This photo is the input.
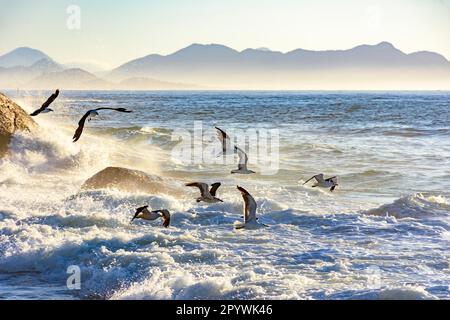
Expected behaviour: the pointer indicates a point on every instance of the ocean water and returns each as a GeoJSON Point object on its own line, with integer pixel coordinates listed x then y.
{"type": "Point", "coordinates": [383, 234]}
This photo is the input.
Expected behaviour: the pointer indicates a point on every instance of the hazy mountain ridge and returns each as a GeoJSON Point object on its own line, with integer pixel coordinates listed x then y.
{"type": "Point", "coordinates": [224, 67]}
{"type": "Point", "coordinates": [364, 55]}
{"type": "Point", "coordinates": [28, 68]}
{"type": "Point", "coordinates": [74, 78]}
{"type": "Point", "coordinates": [218, 66]}
{"type": "Point", "coordinates": [23, 56]}
{"type": "Point", "coordinates": [17, 76]}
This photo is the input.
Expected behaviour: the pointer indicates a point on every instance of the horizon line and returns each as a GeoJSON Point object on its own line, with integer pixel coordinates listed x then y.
{"type": "Point", "coordinates": [240, 90]}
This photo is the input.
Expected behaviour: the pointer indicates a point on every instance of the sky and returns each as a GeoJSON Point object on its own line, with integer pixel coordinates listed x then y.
{"type": "Point", "coordinates": [112, 32]}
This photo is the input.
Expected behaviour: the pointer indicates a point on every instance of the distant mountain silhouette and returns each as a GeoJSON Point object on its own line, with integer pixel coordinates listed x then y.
{"type": "Point", "coordinates": [28, 68]}
{"type": "Point", "coordinates": [82, 80]}
{"type": "Point", "coordinates": [68, 79]}
{"type": "Point", "coordinates": [221, 66]}
{"type": "Point", "coordinates": [16, 77]}
{"type": "Point", "coordinates": [215, 66]}
{"type": "Point", "coordinates": [23, 57]}
{"type": "Point", "coordinates": [90, 67]}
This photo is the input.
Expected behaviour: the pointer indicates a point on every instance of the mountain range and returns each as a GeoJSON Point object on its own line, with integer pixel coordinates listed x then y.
{"type": "Point", "coordinates": [213, 66]}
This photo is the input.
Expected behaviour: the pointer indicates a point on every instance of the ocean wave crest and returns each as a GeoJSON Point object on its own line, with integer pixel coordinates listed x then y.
{"type": "Point", "coordinates": [415, 206]}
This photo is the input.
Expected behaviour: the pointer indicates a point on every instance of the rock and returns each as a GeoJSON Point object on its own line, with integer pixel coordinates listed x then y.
{"type": "Point", "coordinates": [12, 119]}
{"type": "Point", "coordinates": [131, 181]}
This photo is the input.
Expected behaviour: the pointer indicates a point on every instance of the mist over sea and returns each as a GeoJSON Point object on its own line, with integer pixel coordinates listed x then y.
{"type": "Point", "coordinates": [383, 234]}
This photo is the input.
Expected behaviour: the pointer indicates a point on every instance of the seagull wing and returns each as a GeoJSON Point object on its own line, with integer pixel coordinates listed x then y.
{"type": "Point", "coordinates": [202, 186]}
{"type": "Point", "coordinates": [165, 214]}
{"type": "Point", "coordinates": [224, 139]}
{"type": "Point", "coordinates": [36, 112]}
{"type": "Point", "coordinates": [50, 99]}
{"type": "Point", "coordinates": [250, 205]}
{"type": "Point", "coordinates": [315, 177]}
{"type": "Point", "coordinates": [332, 179]}
{"type": "Point", "coordinates": [46, 104]}
{"type": "Point", "coordinates": [115, 109]}
{"type": "Point", "coordinates": [138, 211]}
{"type": "Point", "coordinates": [80, 128]}
{"type": "Point", "coordinates": [214, 188]}
{"type": "Point", "coordinates": [243, 158]}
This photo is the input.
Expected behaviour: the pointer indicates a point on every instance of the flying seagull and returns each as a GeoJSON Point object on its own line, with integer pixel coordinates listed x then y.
{"type": "Point", "coordinates": [45, 107]}
{"type": "Point", "coordinates": [206, 195]}
{"type": "Point", "coordinates": [250, 219]}
{"type": "Point", "coordinates": [224, 139]}
{"type": "Point", "coordinates": [243, 160]}
{"type": "Point", "coordinates": [145, 214]}
{"type": "Point", "coordinates": [331, 183]}
{"type": "Point", "coordinates": [88, 116]}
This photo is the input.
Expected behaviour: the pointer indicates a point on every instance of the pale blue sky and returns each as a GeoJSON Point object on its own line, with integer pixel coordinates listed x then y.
{"type": "Point", "coordinates": [113, 31]}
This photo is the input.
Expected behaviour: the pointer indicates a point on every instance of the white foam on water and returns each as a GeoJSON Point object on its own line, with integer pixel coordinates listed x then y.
{"type": "Point", "coordinates": [416, 206]}
{"type": "Point", "coordinates": [318, 244]}
{"type": "Point", "coordinates": [402, 293]}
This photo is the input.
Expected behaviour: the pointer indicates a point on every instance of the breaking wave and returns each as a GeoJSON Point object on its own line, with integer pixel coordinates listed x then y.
{"type": "Point", "coordinates": [414, 206]}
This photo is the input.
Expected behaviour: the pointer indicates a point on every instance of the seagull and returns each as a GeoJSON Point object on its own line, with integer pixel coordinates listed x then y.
{"type": "Point", "coordinates": [324, 183]}
{"type": "Point", "coordinates": [243, 160]}
{"type": "Point", "coordinates": [88, 116]}
{"type": "Point", "coordinates": [145, 214]}
{"type": "Point", "coordinates": [45, 107]}
{"type": "Point", "coordinates": [250, 219]}
{"type": "Point", "coordinates": [207, 195]}
{"type": "Point", "coordinates": [224, 139]}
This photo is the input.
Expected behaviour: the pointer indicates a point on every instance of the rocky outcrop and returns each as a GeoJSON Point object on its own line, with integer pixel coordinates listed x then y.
{"type": "Point", "coordinates": [131, 181]}
{"type": "Point", "coordinates": [12, 119]}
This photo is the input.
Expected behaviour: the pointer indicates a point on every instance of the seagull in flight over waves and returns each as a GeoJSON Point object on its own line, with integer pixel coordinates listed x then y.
{"type": "Point", "coordinates": [331, 183]}
{"type": "Point", "coordinates": [243, 160]}
{"type": "Point", "coordinates": [206, 195]}
{"type": "Point", "coordinates": [145, 214]}
{"type": "Point", "coordinates": [45, 106]}
{"type": "Point", "coordinates": [250, 219]}
{"type": "Point", "coordinates": [88, 116]}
